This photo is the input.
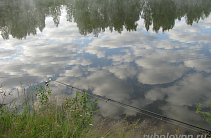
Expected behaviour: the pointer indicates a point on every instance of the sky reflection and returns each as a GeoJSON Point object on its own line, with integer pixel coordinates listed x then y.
{"type": "Point", "coordinates": [138, 68]}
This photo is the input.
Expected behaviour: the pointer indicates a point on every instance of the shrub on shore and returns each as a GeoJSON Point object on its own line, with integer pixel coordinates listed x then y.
{"type": "Point", "coordinates": [38, 116]}
{"type": "Point", "coordinates": [45, 119]}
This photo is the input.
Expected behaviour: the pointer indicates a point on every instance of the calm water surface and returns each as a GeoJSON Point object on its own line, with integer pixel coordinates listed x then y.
{"type": "Point", "coordinates": [152, 54]}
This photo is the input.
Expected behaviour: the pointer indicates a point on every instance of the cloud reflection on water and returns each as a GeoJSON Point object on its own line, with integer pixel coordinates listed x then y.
{"type": "Point", "coordinates": [162, 64]}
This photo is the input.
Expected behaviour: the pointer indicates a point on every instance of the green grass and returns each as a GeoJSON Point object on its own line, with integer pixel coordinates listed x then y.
{"type": "Point", "coordinates": [38, 116]}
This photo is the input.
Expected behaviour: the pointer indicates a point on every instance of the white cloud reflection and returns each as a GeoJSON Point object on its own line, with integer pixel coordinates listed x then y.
{"type": "Point", "coordinates": [105, 84]}
{"type": "Point", "coordinates": [139, 55]}
{"type": "Point", "coordinates": [181, 31]}
{"type": "Point", "coordinates": [122, 71]}
{"type": "Point", "coordinates": [38, 57]}
{"type": "Point", "coordinates": [192, 89]}
{"type": "Point", "coordinates": [199, 64]}
{"type": "Point", "coordinates": [95, 50]}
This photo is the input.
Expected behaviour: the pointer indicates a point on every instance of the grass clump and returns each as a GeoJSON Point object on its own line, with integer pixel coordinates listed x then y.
{"type": "Point", "coordinates": [124, 129]}
{"type": "Point", "coordinates": [37, 116]}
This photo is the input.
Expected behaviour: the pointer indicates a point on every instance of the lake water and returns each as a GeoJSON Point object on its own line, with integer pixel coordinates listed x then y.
{"type": "Point", "coordinates": [151, 54]}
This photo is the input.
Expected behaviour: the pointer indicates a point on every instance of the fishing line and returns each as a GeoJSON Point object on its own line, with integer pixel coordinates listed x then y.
{"type": "Point", "coordinates": [118, 104]}
{"type": "Point", "coordinates": [161, 119]}
{"type": "Point", "coordinates": [136, 108]}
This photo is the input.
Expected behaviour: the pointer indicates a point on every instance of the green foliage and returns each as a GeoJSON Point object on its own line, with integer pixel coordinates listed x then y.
{"type": "Point", "coordinates": [73, 119]}
{"type": "Point", "coordinates": [23, 19]}
{"type": "Point", "coordinates": [206, 115]}
{"type": "Point", "coordinates": [42, 93]}
{"type": "Point", "coordinates": [79, 112]}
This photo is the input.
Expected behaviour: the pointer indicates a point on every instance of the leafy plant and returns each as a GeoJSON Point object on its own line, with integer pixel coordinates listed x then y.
{"type": "Point", "coordinates": [79, 112]}
{"type": "Point", "coordinates": [73, 119]}
{"type": "Point", "coordinates": [206, 115]}
{"type": "Point", "coordinates": [42, 93]}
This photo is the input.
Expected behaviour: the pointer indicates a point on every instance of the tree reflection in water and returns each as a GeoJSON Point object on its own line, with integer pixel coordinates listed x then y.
{"type": "Point", "coordinates": [21, 18]}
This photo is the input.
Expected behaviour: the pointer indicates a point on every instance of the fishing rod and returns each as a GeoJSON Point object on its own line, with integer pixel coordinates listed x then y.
{"type": "Point", "coordinates": [143, 111]}
{"type": "Point", "coordinates": [127, 105]}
